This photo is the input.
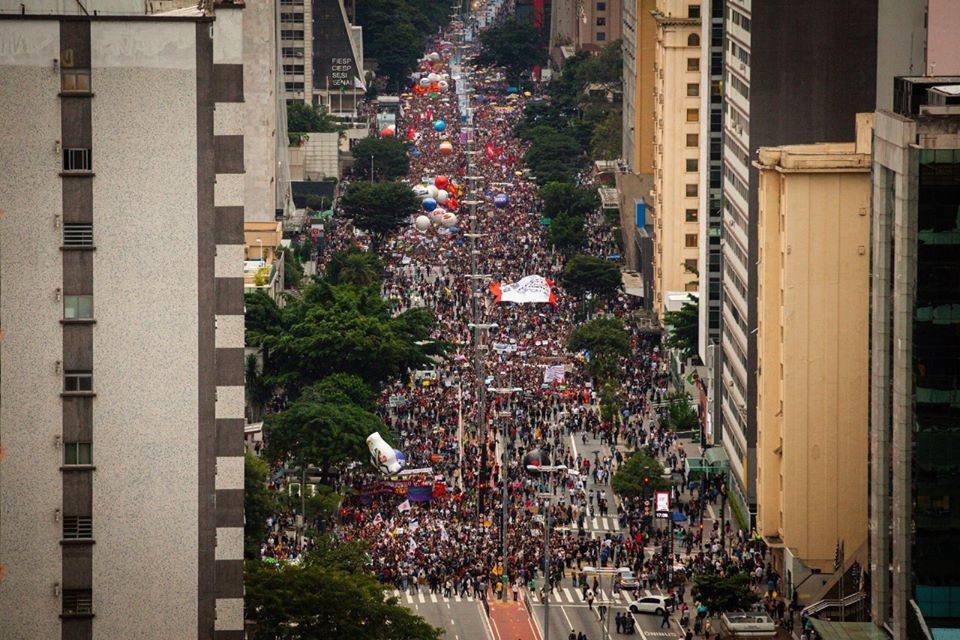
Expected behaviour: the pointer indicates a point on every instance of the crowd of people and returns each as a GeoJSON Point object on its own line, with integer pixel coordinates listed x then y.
{"type": "Point", "coordinates": [452, 542]}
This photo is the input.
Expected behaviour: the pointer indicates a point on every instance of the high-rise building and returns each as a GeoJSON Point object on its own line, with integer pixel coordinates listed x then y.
{"type": "Point", "coordinates": [122, 397]}
{"type": "Point", "coordinates": [639, 53]}
{"type": "Point", "coordinates": [813, 285]}
{"type": "Point", "coordinates": [915, 360]}
{"type": "Point", "coordinates": [677, 114]}
{"type": "Point", "coordinates": [782, 85]}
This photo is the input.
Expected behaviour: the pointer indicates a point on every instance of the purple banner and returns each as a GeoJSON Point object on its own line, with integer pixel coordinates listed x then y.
{"type": "Point", "coordinates": [420, 493]}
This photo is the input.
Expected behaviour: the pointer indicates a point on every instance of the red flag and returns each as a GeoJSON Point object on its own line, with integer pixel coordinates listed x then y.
{"type": "Point", "coordinates": [411, 132]}
{"type": "Point", "coordinates": [490, 152]}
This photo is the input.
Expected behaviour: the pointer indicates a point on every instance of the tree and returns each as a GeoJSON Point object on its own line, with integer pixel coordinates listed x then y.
{"type": "Point", "coordinates": [566, 232]}
{"type": "Point", "coordinates": [639, 476]}
{"type": "Point", "coordinates": [292, 269]}
{"type": "Point", "coordinates": [565, 196]}
{"type": "Point", "coordinates": [607, 139]}
{"type": "Point", "coordinates": [606, 340]}
{"type": "Point", "coordinates": [513, 45]}
{"type": "Point", "coordinates": [305, 118]}
{"type": "Point", "coordinates": [330, 596]}
{"type": "Point", "coordinates": [325, 426]}
{"type": "Point", "coordinates": [379, 208]}
{"type": "Point", "coordinates": [683, 328]}
{"type": "Point", "coordinates": [680, 415]}
{"type": "Point", "coordinates": [389, 158]}
{"type": "Point", "coordinates": [258, 504]}
{"type": "Point", "coordinates": [355, 266]}
{"type": "Point", "coordinates": [258, 389]}
{"type": "Point", "coordinates": [583, 274]}
{"type": "Point", "coordinates": [397, 52]}
{"type": "Point", "coordinates": [724, 593]}
{"type": "Point", "coordinates": [554, 157]}
{"type": "Point", "coordinates": [262, 317]}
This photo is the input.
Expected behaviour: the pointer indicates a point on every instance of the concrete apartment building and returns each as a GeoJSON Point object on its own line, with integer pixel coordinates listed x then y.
{"type": "Point", "coordinates": [676, 111]}
{"type": "Point", "coordinates": [639, 54]}
{"type": "Point", "coordinates": [772, 69]}
{"type": "Point", "coordinates": [813, 288]}
{"type": "Point", "coordinates": [121, 392]}
{"type": "Point", "coordinates": [915, 355]}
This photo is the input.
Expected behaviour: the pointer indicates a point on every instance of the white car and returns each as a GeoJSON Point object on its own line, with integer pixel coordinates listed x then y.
{"type": "Point", "coordinates": [649, 604]}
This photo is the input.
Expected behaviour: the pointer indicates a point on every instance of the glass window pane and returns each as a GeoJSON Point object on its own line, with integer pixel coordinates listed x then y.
{"type": "Point", "coordinates": [85, 453]}
{"type": "Point", "coordinates": [70, 454]}
{"type": "Point", "coordinates": [69, 307]}
{"type": "Point", "coordinates": [85, 307]}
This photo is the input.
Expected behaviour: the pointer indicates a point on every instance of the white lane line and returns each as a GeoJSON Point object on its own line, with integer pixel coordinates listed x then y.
{"type": "Point", "coordinates": [569, 624]}
{"type": "Point", "coordinates": [409, 599]}
{"type": "Point", "coordinates": [636, 625]}
{"type": "Point", "coordinates": [573, 442]}
{"type": "Point", "coordinates": [567, 593]}
{"type": "Point", "coordinates": [489, 625]}
{"type": "Point", "coordinates": [420, 596]}
{"type": "Point", "coordinates": [456, 597]}
{"type": "Point", "coordinates": [433, 597]}
{"type": "Point", "coordinates": [647, 592]}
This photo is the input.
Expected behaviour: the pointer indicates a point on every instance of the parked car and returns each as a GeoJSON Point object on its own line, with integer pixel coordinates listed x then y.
{"type": "Point", "coordinates": [626, 579]}
{"type": "Point", "coordinates": [649, 604]}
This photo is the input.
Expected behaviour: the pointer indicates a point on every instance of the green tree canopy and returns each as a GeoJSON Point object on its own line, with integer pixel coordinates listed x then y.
{"type": "Point", "coordinates": [330, 596]}
{"type": "Point", "coordinates": [680, 415]}
{"type": "Point", "coordinates": [565, 196]}
{"type": "Point", "coordinates": [606, 141]}
{"type": "Point", "coordinates": [728, 593]}
{"type": "Point", "coordinates": [324, 426]}
{"type": "Point", "coordinates": [258, 504]}
{"type": "Point", "coordinates": [566, 232]}
{"type": "Point", "coordinates": [398, 49]}
{"type": "Point", "coordinates": [584, 274]}
{"type": "Point", "coordinates": [554, 157]}
{"type": "Point", "coordinates": [379, 208]}
{"type": "Point", "coordinates": [683, 328]}
{"type": "Point", "coordinates": [389, 156]}
{"type": "Point", "coordinates": [606, 340]}
{"type": "Point", "coordinates": [262, 317]}
{"type": "Point", "coordinates": [639, 476]}
{"type": "Point", "coordinates": [305, 118]}
{"type": "Point", "coordinates": [332, 329]}
{"type": "Point", "coordinates": [355, 266]}
{"type": "Point", "coordinates": [292, 269]}
{"type": "Point", "coordinates": [513, 45]}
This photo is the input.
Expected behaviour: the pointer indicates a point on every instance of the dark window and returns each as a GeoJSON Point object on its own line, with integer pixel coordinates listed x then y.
{"type": "Point", "coordinates": [693, 11]}
{"type": "Point", "coordinates": [293, 86]}
{"type": "Point", "coordinates": [77, 307]}
{"type": "Point", "coordinates": [77, 160]}
{"type": "Point", "coordinates": [690, 265]}
{"type": "Point", "coordinates": [291, 17]}
{"type": "Point", "coordinates": [693, 115]}
{"type": "Point", "coordinates": [78, 453]}
{"type": "Point", "coordinates": [77, 602]}
{"type": "Point", "coordinates": [292, 52]}
{"type": "Point", "coordinates": [692, 215]}
{"type": "Point", "coordinates": [291, 34]}
{"type": "Point", "coordinates": [601, 36]}
{"type": "Point", "coordinates": [77, 527]}
{"type": "Point", "coordinates": [78, 234]}
{"type": "Point", "coordinates": [693, 40]}
{"type": "Point", "coordinates": [690, 240]}
{"type": "Point", "coordinates": [693, 64]}
{"type": "Point", "coordinates": [295, 69]}
{"type": "Point", "coordinates": [601, 22]}
{"type": "Point", "coordinates": [692, 190]}
{"type": "Point", "coordinates": [693, 139]}
{"type": "Point", "coordinates": [692, 165]}
{"type": "Point", "coordinates": [78, 381]}
{"type": "Point", "coordinates": [693, 89]}
{"type": "Point", "coordinates": [601, 6]}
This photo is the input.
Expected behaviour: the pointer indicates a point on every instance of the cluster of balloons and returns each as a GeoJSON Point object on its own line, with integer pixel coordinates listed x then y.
{"type": "Point", "coordinates": [432, 83]}
{"type": "Point", "coordinates": [441, 192]}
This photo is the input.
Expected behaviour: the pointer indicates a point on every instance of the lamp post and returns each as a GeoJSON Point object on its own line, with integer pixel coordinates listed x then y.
{"type": "Point", "coordinates": [534, 462]}
{"type": "Point", "coordinates": [607, 604]}
{"type": "Point", "coordinates": [507, 445]}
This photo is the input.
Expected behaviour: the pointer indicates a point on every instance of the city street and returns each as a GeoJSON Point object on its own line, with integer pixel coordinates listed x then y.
{"type": "Point", "coordinates": [461, 618]}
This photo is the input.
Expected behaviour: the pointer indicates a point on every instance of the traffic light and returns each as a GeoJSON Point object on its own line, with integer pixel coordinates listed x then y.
{"type": "Point", "coordinates": [646, 479]}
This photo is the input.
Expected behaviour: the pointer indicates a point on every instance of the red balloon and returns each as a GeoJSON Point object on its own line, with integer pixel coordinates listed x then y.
{"type": "Point", "coordinates": [441, 182]}
{"type": "Point", "coordinates": [452, 203]}
{"type": "Point", "coordinates": [387, 132]}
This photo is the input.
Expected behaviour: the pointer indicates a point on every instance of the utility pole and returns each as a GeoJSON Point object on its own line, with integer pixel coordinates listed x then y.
{"type": "Point", "coordinates": [504, 477]}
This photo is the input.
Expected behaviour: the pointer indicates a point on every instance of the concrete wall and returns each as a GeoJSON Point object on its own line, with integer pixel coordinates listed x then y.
{"type": "Point", "coordinates": [30, 411]}
{"type": "Point", "coordinates": [902, 34]}
{"type": "Point", "coordinates": [813, 282]}
{"type": "Point", "coordinates": [943, 46]}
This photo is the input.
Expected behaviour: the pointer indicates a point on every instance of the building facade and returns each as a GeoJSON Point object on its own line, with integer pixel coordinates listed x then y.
{"type": "Point", "coordinates": [121, 396]}
{"type": "Point", "coordinates": [813, 284]}
{"type": "Point", "coordinates": [772, 69]}
{"type": "Point", "coordinates": [639, 55]}
{"type": "Point", "coordinates": [677, 115]}
{"type": "Point", "coordinates": [915, 355]}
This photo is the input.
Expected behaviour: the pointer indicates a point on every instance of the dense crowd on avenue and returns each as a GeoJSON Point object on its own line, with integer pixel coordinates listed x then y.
{"type": "Point", "coordinates": [442, 540]}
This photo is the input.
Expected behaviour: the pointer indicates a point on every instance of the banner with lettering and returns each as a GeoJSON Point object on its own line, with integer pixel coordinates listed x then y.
{"type": "Point", "coordinates": [531, 289]}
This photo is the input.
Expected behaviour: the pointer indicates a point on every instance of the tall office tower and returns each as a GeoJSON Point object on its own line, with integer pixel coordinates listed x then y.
{"type": "Point", "coordinates": [711, 172]}
{"type": "Point", "coordinates": [122, 399]}
{"type": "Point", "coordinates": [677, 115]}
{"type": "Point", "coordinates": [783, 84]}
{"type": "Point", "coordinates": [915, 360]}
{"type": "Point", "coordinates": [639, 52]}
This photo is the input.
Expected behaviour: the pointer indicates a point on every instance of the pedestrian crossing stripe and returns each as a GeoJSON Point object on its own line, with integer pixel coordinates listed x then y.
{"type": "Point", "coordinates": [421, 597]}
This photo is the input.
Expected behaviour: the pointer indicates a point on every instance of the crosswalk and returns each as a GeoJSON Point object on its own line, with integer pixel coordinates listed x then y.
{"type": "Point", "coordinates": [569, 595]}
{"type": "Point", "coordinates": [602, 523]}
{"type": "Point", "coordinates": [424, 596]}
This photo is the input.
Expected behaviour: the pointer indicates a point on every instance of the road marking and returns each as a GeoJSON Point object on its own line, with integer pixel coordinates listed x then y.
{"type": "Point", "coordinates": [636, 625]}
{"type": "Point", "coordinates": [433, 597]}
{"type": "Point", "coordinates": [420, 596]}
{"type": "Point", "coordinates": [569, 624]}
{"type": "Point", "coordinates": [453, 622]}
{"type": "Point", "coordinates": [456, 597]}
{"type": "Point", "coordinates": [713, 515]}
{"type": "Point", "coordinates": [573, 441]}
{"type": "Point", "coordinates": [647, 592]}
{"type": "Point", "coordinates": [567, 593]}
{"type": "Point", "coordinates": [489, 624]}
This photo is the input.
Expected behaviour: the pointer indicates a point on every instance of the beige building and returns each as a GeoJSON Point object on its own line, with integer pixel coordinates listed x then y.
{"type": "Point", "coordinates": [813, 370]}
{"type": "Point", "coordinates": [676, 149]}
{"type": "Point", "coordinates": [639, 52]}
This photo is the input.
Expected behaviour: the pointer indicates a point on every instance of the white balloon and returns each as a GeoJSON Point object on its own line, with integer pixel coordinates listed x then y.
{"type": "Point", "coordinates": [421, 191]}
{"type": "Point", "coordinates": [382, 455]}
{"type": "Point", "coordinates": [424, 82]}
{"type": "Point", "coordinates": [448, 220]}
{"type": "Point", "coordinates": [434, 56]}
{"type": "Point", "coordinates": [433, 77]}
{"type": "Point", "coordinates": [422, 223]}
{"type": "Point", "coordinates": [433, 191]}
{"type": "Point", "coordinates": [436, 216]}
{"type": "Point", "coordinates": [442, 196]}
{"type": "Point", "coordinates": [443, 85]}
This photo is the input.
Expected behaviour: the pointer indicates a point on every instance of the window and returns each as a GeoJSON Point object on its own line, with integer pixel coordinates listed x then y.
{"type": "Point", "coordinates": [77, 160]}
{"type": "Point", "coordinates": [693, 11]}
{"type": "Point", "coordinates": [693, 40]}
{"type": "Point", "coordinates": [693, 115]}
{"type": "Point", "coordinates": [693, 89]}
{"type": "Point", "coordinates": [693, 165]}
{"type": "Point", "coordinates": [291, 34]}
{"type": "Point", "coordinates": [291, 17]}
{"type": "Point", "coordinates": [693, 139]}
{"type": "Point", "coordinates": [78, 453]}
{"type": "Point", "coordinates": [601, 6]}
{"type": "Point", "coordinates": [75, 80]}
{"type": "Point", "coordinates": [693, 64]}
{"type": "Point", "coordinates": [292, 52]}
{"type": "Point", "coordinates": [77, 307]}
{"type": "Point", "coordinates": [690, 266]}
{"type": "Point", "coordinates": [77, 602]}
{"type": "Point", "coordinates": [692, 215]}
{"type": "Point", "coordinates": [77, 527]}
{"type": "Point", "coordinates": [601, 36]}
{"type": "Point", "coordinates": [78, 234]}
{"type": "Point", "coordinates": [601, 22]}
{"type": "Point", "coordinates": [692, 190]}
{"type": "Point", "coordinates": [295, 69]}
{"type": "Point", "coordinates": [690, 240]}
{"type": "Point", "coordinates": [78, 381]}
{"type": "Point", "coordinates": [293, 86]}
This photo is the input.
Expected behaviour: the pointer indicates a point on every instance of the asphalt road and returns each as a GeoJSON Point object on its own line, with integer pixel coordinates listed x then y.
{"type": "Point", "coordinates": [460, 618]}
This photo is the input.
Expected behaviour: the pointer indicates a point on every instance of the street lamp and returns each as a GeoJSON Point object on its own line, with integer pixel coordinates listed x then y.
{"type": "Point", "coordinates": [537, 463]}
{"type": "Point", "coordinates": [607, 604]}
{"type": "Point", "coordinates": [508, 391]}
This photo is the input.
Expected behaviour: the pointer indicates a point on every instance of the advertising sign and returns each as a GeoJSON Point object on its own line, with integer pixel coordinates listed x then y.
{"type": "Point", "coordinates": [661, 500]}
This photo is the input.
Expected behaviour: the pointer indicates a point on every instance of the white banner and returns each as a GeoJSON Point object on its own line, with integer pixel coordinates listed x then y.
{"type": "Point", "coordinates": [554, 373]}
{"type": "Point", "coordinates": [528, 289]}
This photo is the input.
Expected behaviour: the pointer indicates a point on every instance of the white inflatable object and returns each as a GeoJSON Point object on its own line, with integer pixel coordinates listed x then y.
{"type": "Point", "coordinates": [382, 455]}
{"type": "Point", "coordinates": [442, 196]}
{"type": "Point", "coordinates": [433, 191]}
{"type": "Point", "coordinates": [448, 220]}
{"type": "Point", "coordinates": [422, 223]}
